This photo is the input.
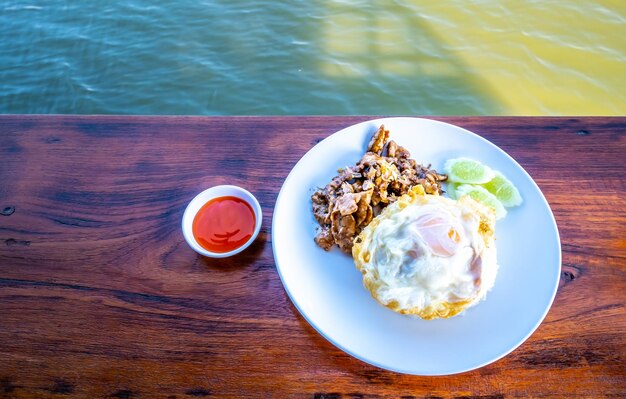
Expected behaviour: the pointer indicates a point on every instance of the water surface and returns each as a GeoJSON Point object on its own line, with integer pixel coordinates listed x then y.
{"type": "Point", "coordinates": [313, 57]}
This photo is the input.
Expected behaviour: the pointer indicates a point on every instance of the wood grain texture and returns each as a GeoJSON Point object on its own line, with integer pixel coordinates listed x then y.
{"type": "Point", "coordinates": [100, 297]}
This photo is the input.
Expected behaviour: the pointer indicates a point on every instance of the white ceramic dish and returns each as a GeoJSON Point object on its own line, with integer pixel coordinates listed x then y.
{"type": "Point", "coordinates": [327, 289]}
{"type": "Point", "coordinates": [204, 197]}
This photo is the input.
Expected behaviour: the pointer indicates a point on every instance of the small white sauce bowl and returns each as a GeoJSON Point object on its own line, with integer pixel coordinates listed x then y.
{"type": "Point", "coordinates": [204, 197]}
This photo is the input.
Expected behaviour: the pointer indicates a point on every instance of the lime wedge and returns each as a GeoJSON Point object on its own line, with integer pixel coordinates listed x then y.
{"type": "Point", "coordinates": [465, 170]}
{"type": "Point", "coordinates": [450, 189]}
{"type": "Point", "coordinates": [483, 196]}
{"type": "Point", "coordinates": [504, 190]}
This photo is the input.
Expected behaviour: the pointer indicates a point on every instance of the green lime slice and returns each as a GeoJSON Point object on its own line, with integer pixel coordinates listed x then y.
{"type": "Point", "coordinates": [450, 189]}
{"type": "Point", "coordinates": [483, 196]}
{"type": "Point", "coordinates": [504, 190]}
{"type": "Point", "coordinates": [465, 170]}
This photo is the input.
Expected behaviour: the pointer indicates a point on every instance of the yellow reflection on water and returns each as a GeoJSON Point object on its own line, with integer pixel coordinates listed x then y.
{"type": "Point", "coordinates": [514, 57]}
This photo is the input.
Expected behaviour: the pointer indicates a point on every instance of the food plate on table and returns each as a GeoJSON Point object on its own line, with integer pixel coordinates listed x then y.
{"type": "Point", "coordinates": [328, 290]}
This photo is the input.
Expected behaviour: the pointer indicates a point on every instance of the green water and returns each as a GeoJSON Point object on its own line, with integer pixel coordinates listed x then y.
{"type": "Point", "coordinates": [313, 57]}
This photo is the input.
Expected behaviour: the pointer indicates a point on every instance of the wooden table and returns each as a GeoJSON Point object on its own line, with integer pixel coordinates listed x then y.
{"type": "Point", "coordinates": [100, 297]}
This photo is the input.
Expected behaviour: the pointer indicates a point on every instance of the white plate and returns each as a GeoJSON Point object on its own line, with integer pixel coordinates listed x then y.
{"type": "Point", "coordinates": [328, 291]}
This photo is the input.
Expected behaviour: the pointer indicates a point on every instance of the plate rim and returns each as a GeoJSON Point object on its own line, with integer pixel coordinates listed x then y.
{"type": "Point", "coordinates": [524, 338]}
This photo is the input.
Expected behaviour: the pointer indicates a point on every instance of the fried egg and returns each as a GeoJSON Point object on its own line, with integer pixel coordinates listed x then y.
{"type": "Point", "coordinates": [428, 255]}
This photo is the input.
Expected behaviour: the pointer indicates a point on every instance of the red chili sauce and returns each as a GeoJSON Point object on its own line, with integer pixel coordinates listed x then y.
{"type": "Point", "coordinates": [224, 224]}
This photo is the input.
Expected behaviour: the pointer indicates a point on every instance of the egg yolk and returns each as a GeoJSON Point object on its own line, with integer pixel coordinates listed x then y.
{"type": "Point", "coordinates": [441, 235]}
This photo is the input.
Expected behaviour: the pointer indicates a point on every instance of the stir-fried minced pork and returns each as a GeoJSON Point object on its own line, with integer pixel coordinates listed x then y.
{"type": "Point", "coordinates": [359, 193]}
